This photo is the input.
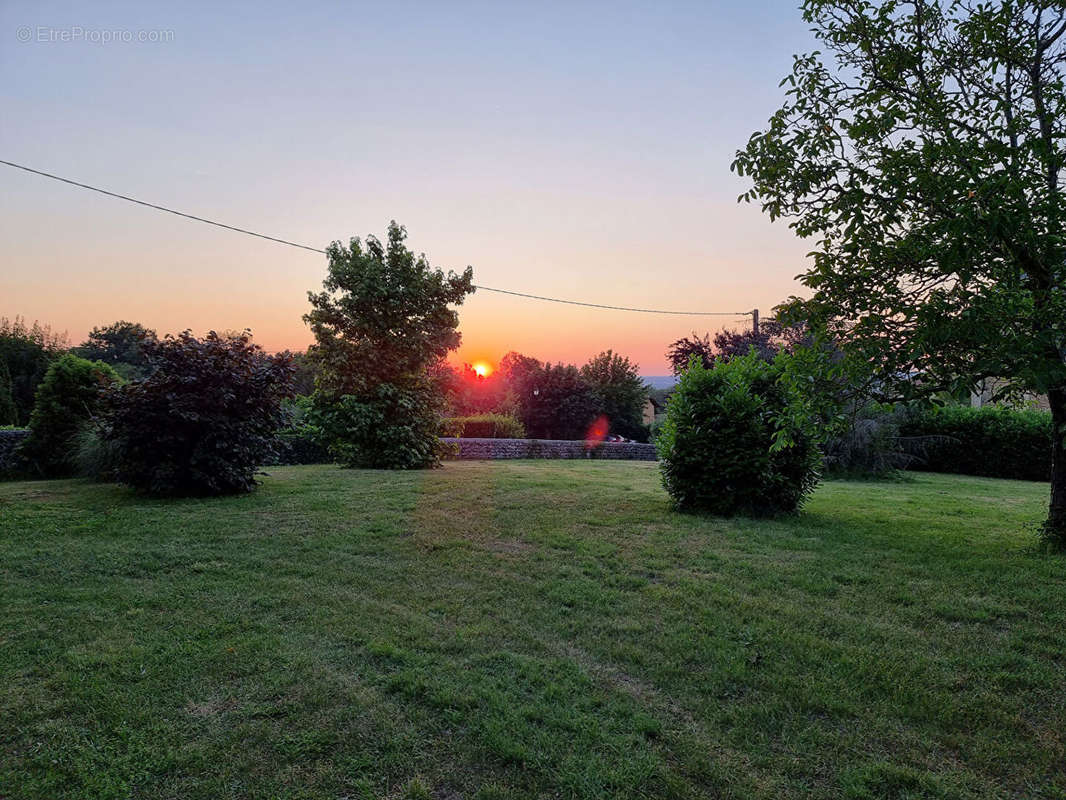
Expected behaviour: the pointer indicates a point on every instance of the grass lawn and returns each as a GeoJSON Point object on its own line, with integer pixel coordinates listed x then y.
{"type": "Point", "coordinates": [528, 629]}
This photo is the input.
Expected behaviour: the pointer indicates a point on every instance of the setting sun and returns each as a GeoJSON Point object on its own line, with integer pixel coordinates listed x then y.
{"type": "Point", "coordinates": [481, 369]}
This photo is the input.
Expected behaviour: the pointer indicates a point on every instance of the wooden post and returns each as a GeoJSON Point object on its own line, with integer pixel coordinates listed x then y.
{"type": "Point", "coordinates": [755, 322]}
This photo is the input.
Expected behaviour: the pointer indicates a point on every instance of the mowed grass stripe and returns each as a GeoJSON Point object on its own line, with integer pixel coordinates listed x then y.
{"type": "Point", "coordinates": [528, 629]}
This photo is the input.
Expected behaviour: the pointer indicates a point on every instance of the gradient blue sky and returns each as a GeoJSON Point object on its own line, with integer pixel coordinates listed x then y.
{"type": "Point", "coordinates": [579, 150]}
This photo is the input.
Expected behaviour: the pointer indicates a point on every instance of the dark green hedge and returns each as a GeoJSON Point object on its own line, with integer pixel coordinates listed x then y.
{"type": "Point", "coordinates": [483, 426]}
{"type": "Point", "coordinates": [992, 441]}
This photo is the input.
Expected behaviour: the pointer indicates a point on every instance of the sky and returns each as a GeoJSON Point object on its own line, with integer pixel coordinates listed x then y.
{"type": "Point", "coordinates": [575, 150]}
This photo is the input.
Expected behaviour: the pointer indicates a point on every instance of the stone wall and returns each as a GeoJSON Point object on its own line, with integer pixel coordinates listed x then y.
{"type": "Point", "coordinates": [9, 441]}
{"type": "Point", "coordinates": [545, 448]}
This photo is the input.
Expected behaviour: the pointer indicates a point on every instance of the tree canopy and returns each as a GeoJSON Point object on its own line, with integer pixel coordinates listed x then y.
{"type": "Point", "coordinates": [26, 351]}
{"type": "Point", "coordinates": [120, 344]}
{"type": "Point", "coordinates": [557, 402]}
{"type": "Point", "coordinates": [772, 338]}
{"type": "Point", "coordinates": [924, 156]}
{"type": "Point", "coordinates": [383, 321]}
{"type": "Point", "coordinates": [620, 391]}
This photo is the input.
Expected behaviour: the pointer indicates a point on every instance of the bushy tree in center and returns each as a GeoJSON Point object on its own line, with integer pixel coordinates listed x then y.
{"type": "Point", "coordinates": [383, 321]}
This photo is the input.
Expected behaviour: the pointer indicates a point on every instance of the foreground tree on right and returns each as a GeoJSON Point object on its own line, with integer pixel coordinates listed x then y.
{"type": "Point", "coordinates": [924, 154]}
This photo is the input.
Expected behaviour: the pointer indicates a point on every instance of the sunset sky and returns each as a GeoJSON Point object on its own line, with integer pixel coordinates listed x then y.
{"type": "Point", "coordinates": [577, 150]}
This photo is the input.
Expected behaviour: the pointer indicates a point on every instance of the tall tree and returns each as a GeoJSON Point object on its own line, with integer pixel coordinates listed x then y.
{"type": "Point", "coordinates": [681, 352]}
{"type": "Point", "coordinates": [926, 161]}
{"type": "Point", "coordinates": [557, 401]}
{"type": "Point", "coordinates": [772, 337]}
{"type": "Point", "coordinates": [27, 351]}
{"type": "Point", "coordinates": [303, 370]}
{"type": "Point", "coordinates": [8, 412]}
{"type": "Point", "coordinates": [120, 344]}
{"type": "Point", "coordinates": [621, 393]}
{"type": "Point", "coordinates": [516, 368]}
{"type": "Point", "coordinates": [382, 323]}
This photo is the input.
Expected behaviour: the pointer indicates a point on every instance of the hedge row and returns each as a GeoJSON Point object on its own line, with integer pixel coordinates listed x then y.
{"type": "Point", "coordinates": [483, 426]}
{"type": "Point", "coordinates": [993, 442]}
{"type": "Point", "coordinates": [292, 446]}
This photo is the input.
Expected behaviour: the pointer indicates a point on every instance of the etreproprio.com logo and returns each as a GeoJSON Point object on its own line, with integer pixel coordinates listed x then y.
{"type": "Point", "coordinates": [48, 34]}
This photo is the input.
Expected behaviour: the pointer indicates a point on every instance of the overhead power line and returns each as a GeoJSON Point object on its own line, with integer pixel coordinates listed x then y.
{"type": "Point", "coordinates": [620, 308]}
{"type": "Point", "coordinates": [161, 208]}
{"type": "Point", "coordinates": [278, 240]}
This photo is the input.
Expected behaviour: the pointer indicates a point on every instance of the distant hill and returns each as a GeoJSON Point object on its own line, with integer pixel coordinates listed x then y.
{"type": "Point", "coordinates": [659, 381]}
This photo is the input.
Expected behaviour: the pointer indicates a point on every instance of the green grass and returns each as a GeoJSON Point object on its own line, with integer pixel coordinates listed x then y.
{"type": "Point", "coordinates": [528, 629]}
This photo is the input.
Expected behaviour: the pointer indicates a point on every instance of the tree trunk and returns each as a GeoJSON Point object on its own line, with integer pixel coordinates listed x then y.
{"type": "Point", "coordinates": [1055, 528]}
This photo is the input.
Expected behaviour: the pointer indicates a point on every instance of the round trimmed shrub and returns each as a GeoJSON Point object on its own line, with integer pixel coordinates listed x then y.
{"type": "Point", "coordinates": [69, 396]}
{"type": "Point", "coordinates": [730, 443]}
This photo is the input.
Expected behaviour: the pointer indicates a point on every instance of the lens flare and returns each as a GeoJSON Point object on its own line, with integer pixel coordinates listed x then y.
{"type": "Point", "coordinates": [597, 432]}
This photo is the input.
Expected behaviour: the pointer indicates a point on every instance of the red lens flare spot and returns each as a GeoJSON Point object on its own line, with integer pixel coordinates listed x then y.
{"type": "Point", "coordinates": [597, 431]}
